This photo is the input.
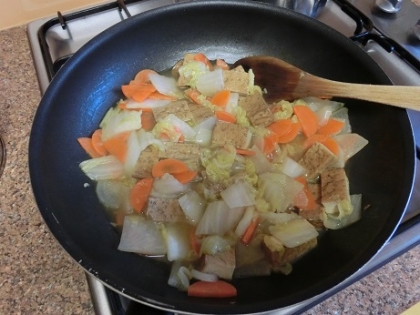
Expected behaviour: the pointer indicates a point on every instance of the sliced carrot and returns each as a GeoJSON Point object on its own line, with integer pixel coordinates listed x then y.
{"type": "Point", "coordinates": [159, 96]}
{"type": "Point", "coordinates": [294, 130]}
{"type": "Point", "coordinates": [332, 145]}
{"type": "Point", "coordinates": [281, 127]}
{"type": "Point", "coordinates": [148, 121]}
{"type": "Point", "coordinates": [203, 58]}
{"type": "Point", "coordinates": [140, 193]}
{"type": "Point", "coordinates": [122, 105]}
{"type": "Point", "coordinates": [307, 119]}
{"type": "Point", "coordinates": [128, 90]}
{"type": "Point", "coordinates": [117, 145]}
{"type": "Point", "coordinates": [245, 152]}
{"type": "Point", "coordinates": [86, 144]}
{"type": "Point", "coordinates": [249, 233]}
{"type": "Point", "coordinates": [143, 92]}
{"type": "Point", "coordinates": [270, 143]}
{"type": "Point", "coordinates": [97, 142]}
{"type": "Point", "coordinates": [332, 127]}
{"type": "Point", "coordinates": [310, 204]}
{"type": "Point", "coordinates": [222, 64]}
{"type": "Point", "coordinates": [225, 116]}
{"type": "Point", "coordinates": [185, 177]}
{"type": "Point", "coordinates": [143, 75]}
{"type": "Point", "coordinates": [170, 166]}
{"type": "Point", "coordinates": [193, 95]}
{"type": "Point", "coordinates": [314, 138]}
{"type": "Point", "coordinates": [221, 98]}
{"type": "Point", "coordinates": [217, 289]}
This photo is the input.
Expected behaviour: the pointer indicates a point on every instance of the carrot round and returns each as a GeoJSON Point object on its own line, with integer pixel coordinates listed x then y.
{"type": "Point", "coordinates": [140, 193]}
{"type": "Point", "coordinates": [86, 144]}
{"type": "Point", "coordinates": [117, 145]}
{"type": "Point", "coordinates": [217, 289]}
{"type": "Point", "coordinates": [249, 233]}
{"type": "Point", "coordinates": [170, 166]}
{"type": "Point", "coordinates": [280, 127]}
{"type": "Point", "coordinates": [203, 58]}
{"type": "Point", "coordinates": [314, 138]}
{"type": "Point", "coordinates": [307, 119]}
{"type": "Point", "coordinates": [332, 127]}
{"type": "Point", "coordinates": [185, 177]}
{"type": "Point", "coordinates": [332, 145]}
{"type": "Point", "coordinates": [225, 116]}
{"type": "Point", "coordinates": [270, 143]}
{"type": "Point", "coordinates": [245, 152]}
{"type": "Point", "coordinates": [222, 64]}
{"type": "Point", "coordinates": [97, 142]}
{"type": "Point", "coordinates": [311, 204]}
{"type": "Point", "coordinates": [143, 75]}
{"type": "Point", "coordinates": [221, 98]}
{"type": "Point", "coordinates": [159, 96]}
{"type": "Point", "coordinates": [193, 95]}
{"type": "Point", "coordinates": [294, 130]}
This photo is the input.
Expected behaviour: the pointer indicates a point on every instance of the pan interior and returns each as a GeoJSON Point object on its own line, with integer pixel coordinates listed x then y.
{"type": "Point", "coordinates": [88, 85]}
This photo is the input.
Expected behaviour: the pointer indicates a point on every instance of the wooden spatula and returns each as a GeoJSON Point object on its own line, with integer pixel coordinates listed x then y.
{"type": "Point", "coordinates": [284, 81]}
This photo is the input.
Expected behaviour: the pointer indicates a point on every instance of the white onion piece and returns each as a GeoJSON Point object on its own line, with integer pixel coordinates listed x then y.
{"type": "Point", "coordinates": [180, 276]}
{"type": "Point", "coordinates": [203, 137]}
{"type": "Point", "coordinates": [193, 206]}
{"type": "Point", "coordinates": [142, 236]}
{"type": "Point", "coordinates": [210, 82]}
{"type": "Point", "coordinates": [324, 115]}
{"type": "Point", "coordinates": [262, 165]}
{"type": "Point", "coordinates": [109, 193]}
{"type": "Point", "coordinates": [294, 233]}
{"type": "Point", "coordinates": [333, 223]}
{"type": "Point", "coordinates": [101, 168]}
{"type": "Point", "coordinates": [167, 185]}
{"type": "Point", "coordinates": [245, 221]}
{"type": "Point", "coordinates": [133, 153]}
{"type": "Point", "coordinates": [218, 218]}
{"type": "Point", "coordinates": [147, 103]}
{"type": "Point", "coordinates": [165, 85]}
{"type": "Point", "coordinates": [316, 104]}
{"type": "Point", "coordinates": [292, 168]}
{"type": "Point", "coordinates": [213, 244]}
{"type": "Point", "coordinates": [233, 102]}
{"type": "Point", "coordinates": [202, 276]}
{"type": "Point", "coordinates": [238, 194]}
{"type": "Point", "coordinates": [280, 217]}
{"type": "Point", "coordinates": [207, 123]}
{"type": "Point", "coordinates": [117, 121]}
{"type": "Point", "coordinates": [146, 138]}
{"type": "Point", "coordinates": [182, 126]}
{"type": "Point", "coordinates": [350, 144]}
{"type": "Point", "coordinates": [177, 241]}
{"type": "Point", "coordinates": [342, 114]}
{"type": "Point", "coordinates": [125, 204]}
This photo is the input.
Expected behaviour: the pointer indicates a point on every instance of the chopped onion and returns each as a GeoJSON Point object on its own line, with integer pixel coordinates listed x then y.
{"type": "Point", "coordinates": [146, 138]}
{"type": "Point", "coordinates": [238, 194]}
{"type": "Point", "coordinates": [342, 114]}
{"type": "Point", "coordinates": [232, 103]}
{"type": "Point", "coordinates": [218, 218]}
{"type": "Point", "coordinates": [210, 82]}
{"type": "Point", "coordinates": [280, 217]}
{"type": "Point", "coordinates": [165, 85]}
{"type": "Point", "coordinates": [207, 123]}
{"type": "Point", "coordinates": [167, 186]}
{"type": "Point", "coordinates": [142, 236]}
{"type": "Point", "coordinates": [213, 244]}
{"type": "Point", "coordinates": [203, 137]}
{"type": "Point", "coordinates": [193, 206]}
{"type": "Point", "coordinates": [148, 103]}
{"type": "Point", "coordinates": [101, 168]}
{"type": "Point", "coordinates": [334, 223]}
{"type": "Point", "coordinates": [109, 193]}
{"type": "Point", "coordinates": [294, 233]}
{"type": "Point", "coordinates": [292, 168]}
{"type": "Point", "coordinates": [316, 104]}
{"type": "Point", "coordinates": [117, 121]}
{"type": "Point", "coordinates": [262, 165]}
{"type": "Point", "coordinates": [133, 153]}
{"type": "Point", "coordinates": [202, 276]}
{"type": "Point", "coordinates": [182, 126]}
{"type": "Point", "coordinates": [177, 241]}
{"type": "Point", "coordinates": [351, 144]}
{"type": "Point", "coordinates": [324, 115]}
{"type": "Point", "coordinates": [180, 276]}
{"type": "Point", "coordinates": [245, 221]}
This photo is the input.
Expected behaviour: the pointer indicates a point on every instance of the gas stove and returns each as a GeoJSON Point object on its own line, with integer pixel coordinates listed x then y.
{"type": "Point", "coordinates": [391, 39]}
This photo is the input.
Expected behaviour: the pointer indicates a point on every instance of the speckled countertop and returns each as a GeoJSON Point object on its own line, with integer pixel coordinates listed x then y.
{"type": "Point", "coordinates": [38, 277]}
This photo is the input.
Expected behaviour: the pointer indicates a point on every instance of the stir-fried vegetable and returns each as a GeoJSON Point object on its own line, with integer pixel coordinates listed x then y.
{"type": "Point", "coordinates": [218, 181]}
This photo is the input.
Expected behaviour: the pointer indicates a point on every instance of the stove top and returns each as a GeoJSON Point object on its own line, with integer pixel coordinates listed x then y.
{"type": "Point", "coordinates": [389, 38]}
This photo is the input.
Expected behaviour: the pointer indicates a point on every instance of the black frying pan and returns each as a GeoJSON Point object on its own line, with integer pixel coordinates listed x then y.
{"type": "Point", "coordinates": [88, 85]}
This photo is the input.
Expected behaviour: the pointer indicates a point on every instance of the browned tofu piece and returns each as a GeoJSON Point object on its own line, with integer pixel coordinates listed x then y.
{"type": "Point", "coordinates": [222, 264]}
{"type": "Point", "coordinates": [335, 191]}
{"type": "Point", "coordinates": [180, 151]}
{"type": "Point", "coordinates": [279, 255]}
{"type": "Point", "coordinates": [225, 133]}
{"type": "Point", "coordinates": [316, 159]}
{"type": "Point", "coordinates": [178, 108]}
{"type": "Point", "coordinates": [199, 112]}
{"type": "Point", "coordinates": [164, 210]}
{"type": "Point", "coordinates": [236, 80]}
{"type": "Point", "coordinates": [257, 110]}
{"type": "Point", "coordinates": [147, 159]}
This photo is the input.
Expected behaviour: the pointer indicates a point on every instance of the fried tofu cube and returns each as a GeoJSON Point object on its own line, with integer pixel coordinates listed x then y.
{"type": "Point", "coordinates": [316, 159]}
{"type": "Point", "coordinates": [257, 110]}
{"type": "Point", "coordinates": [164, 210]}
{"type": "Point", "coordinates": [178, 108]}
{"type": "Point", "coordinates": [225, 133]}
{"type": "Point", "coordinates": [147, 159]}
{"type": "Point", "coordinates": [236, 80]}
{"type": "Point", "coordinates": [336, 192]}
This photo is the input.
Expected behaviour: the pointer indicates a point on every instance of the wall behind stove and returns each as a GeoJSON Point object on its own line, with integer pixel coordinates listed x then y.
{"type": "Point", "coordinates": [19, 12]}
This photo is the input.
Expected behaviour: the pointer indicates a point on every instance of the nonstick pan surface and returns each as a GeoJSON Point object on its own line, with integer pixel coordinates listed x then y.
{"type": "Point", "coordinates": [89, 83]}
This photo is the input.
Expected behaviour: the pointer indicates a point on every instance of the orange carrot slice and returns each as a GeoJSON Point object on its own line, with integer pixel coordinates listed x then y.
{"type": "Point", "coordinates": [314, 138]}
{"type": "Point", "coordinates": [217, 289]}
{"type": "Point", "coordinates": [225, 116]}
{"type": "Point", "coordinates": [222, 64]}
{"type": "Point", "coordinates": [117, 145]}
{"type": "Point", "coordinates": [270, 143]}
{"type": "Point", "coordinates": [307, 119]}
{"type": "Point", "coordinates": [170, 166]}
{"type": "Point", "coordinates": [203, 58]}
{"type": "Point", "coordinates": [294, 131]}
{"type": "Point", "coordinates": [193, 95]}
{"type": "Point", "coordinates": [97, 142]}
{"type": "Point", "coordinates": [281, 127]}
{"type": "Point", "coordinates": [140, 193]}
{"type": "Point", "coordinates": [148, 121]}
{"type": "Point", "coordinates": [86, 144]}
{"type": "Point", "coordinates": [332, 127]}
{"type": "Point", "coordinates": [142, 92]}
{"type": "Point", "coordinates": [249, 233]}
{"type": "Point", "coordinates": [311, 204]}
{"type": "Point", "coordinates": [221, 98]}
{"type": "Point", "coordinates": [143, 75]}
{"type": "Point", "coordinates": [245, 152]}
{"type": "Point", "coordinates": [332, 145]}
{"type": "Point", "coordinates": [159, 96]}
{"type": "Point", "coordinates": [185, 177]}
